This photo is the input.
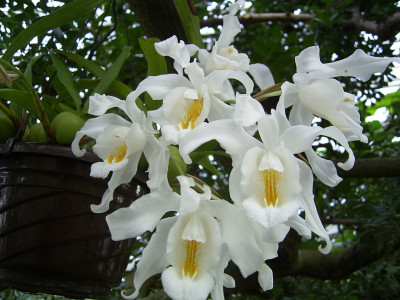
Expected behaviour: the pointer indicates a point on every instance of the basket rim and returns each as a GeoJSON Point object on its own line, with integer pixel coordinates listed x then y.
{"type": "Point", "coordinates": [56, 150]}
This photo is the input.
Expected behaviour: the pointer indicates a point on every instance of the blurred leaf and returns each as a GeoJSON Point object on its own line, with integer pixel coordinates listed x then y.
{"type": "Point", "coordinates": [67, 80]}
{"type": "Point", "coordinates": [156, 64]}
{"type": "Point", "coordinates": [28, 70]}
{"type": "Point", "coordinates": [207, 164]}
{"type": "Point", "coordinates": [61, 16]}
{"type": "Point", "coordinates": [190, 21]}
{"type": "Point", "coordinates": [116, 88]}
{"type": "Point", "coordinates": [112, 73]}
{"type": "Point", "coordinates": [82, 62]}
{"type": "Point", "coordinates": [21, 98]}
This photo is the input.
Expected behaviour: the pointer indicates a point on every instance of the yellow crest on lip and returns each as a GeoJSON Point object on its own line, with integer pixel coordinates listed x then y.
{"type": "Point", "coordinates": [193, 111]}
{"type": "Point", "coordinates": [118, 153]}
{"type": "Point", "coordinates": [191, 262]}
{"type": "Point", "coordinates": [271, 180]}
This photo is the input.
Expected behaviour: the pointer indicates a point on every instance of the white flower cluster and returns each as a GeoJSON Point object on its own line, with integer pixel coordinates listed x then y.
{"type": "Point", "coordinates": [269, 183]}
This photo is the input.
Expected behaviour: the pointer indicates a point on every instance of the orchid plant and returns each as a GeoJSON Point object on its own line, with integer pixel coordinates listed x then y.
{"type": "Point", "coordinates": [273, 161]}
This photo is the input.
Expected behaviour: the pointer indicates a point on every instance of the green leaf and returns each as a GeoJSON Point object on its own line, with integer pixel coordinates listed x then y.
{"type": "Point", "coordinates": [82, 62]}
{"type": "Point", "coordinates": [156, 64]}
{"type": "Point", "coordinates": [59, 17]}
{"type": "Point", "coordinates": [67, 80]}
{"type": "Point", "coordinates": [190, 22]}
{"type": "Point", "coordinates": [206, 163]}
{"type": "Point", "coordinates": [112, 73]}
{"type": "Point", "coordinates": [21, 98]}
{"type": "Point", "coordinates": [28, 71]}
{"type": "Point", "coordinates": [116, 88]}
{"type": "Point", "coordinates": [387, 101]}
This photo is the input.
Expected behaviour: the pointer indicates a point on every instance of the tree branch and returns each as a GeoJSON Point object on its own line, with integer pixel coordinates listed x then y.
{"type": "Point", "coordinates": [384, 30]}
{"type": "Point", "coordinates": [263, 17]}
{"type": "Point", "coordinates": [340, 265]}
{"type": "Point", "coordinates": [372, 168]}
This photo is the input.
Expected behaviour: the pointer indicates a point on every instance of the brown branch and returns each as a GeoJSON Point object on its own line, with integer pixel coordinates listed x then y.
{"type": "Point", "coordinates": [384, 30]}
{"type": "Point", "coordinates": [293, 261]}
{"type": "Point", "coordinates": [263, 17]}
{"type": "Point", "coordinates": [312, 263]}
{"type": "Point", "coordinates": [373, 167]}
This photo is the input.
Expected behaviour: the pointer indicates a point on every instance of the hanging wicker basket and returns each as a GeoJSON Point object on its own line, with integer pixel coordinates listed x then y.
{"type": "Point", "coordinates": [50, 241]}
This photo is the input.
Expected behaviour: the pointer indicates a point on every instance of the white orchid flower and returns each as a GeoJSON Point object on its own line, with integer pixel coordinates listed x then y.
{"type": "Point", "coordinates": [178, 51]}
{"type": "Point", "coordinates": [120, 144]}
{"type": "Point", "coordinates": [190, 243]}
{"type": "Point", "coordinates": [223, 55]}
{"type": "Point", "coordinates": [188, 102]}
{"type": "Point", "coordinates": [186, 248]}
{"type": "Point", "coordinates": [267, 180]}
{"type": "Point", "coordinates": [316, 92]}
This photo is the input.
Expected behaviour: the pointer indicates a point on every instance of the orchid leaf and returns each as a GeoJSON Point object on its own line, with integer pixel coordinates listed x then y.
{"type": "Point", "coordinates": [28, 70]}
{"type": "Point", "coordinates": [59, 17]}
{"type": "Point", "coordinates": [112, 73]}
{"type": "Point", "coordinates": [116, 88]}
{"type": "Point", "coordinates": [156, 65]}
{"type": "Point", "coordinates": [67, 80]}
{"type": "Point", "coordinates": [21, 98]}
{"type": "Point", "coordinates": [82, 62]}
{"type": "Point", "coordinates": [190, 22]}
{"type": "Point", "coordinates": [207, 164]}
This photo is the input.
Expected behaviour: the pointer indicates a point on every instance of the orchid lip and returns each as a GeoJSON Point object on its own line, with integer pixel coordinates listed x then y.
{"type": "Point", "coordinates": [118, 153]}
{"type": "Point", "coordinates": [271, 182]}
{"type": "Point", "coordinates": [193, 111]}
{"type": "Point", "coordinates": [191, 263]}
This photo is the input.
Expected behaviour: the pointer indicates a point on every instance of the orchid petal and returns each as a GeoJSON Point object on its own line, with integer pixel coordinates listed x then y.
{"type": "Point", "coordinates": [265, 277]}
{"type": "Point", "coordinates": [230, 28]}
{"type": "Point", "coordinates": [177, 51]}
{"type": "Point", "coordinates": [157, 156]}
{"type": "Point", "coordinates": [99, 104]}
{"type": "Point", "coordinates": [308, 60]}
{"type": "Point", "coordinates": [247, 110]}
{"type": "Point", "coordinates": [158, 86]}
{"type": "Point", "coordinates": [361, 65]}
{"type": "Point", "coordinates": [153, 259]}
{"type": "Point", "coordinates": [233, 138]}
{"type": "Point", "coordinates": [219, 110]}
{"type": "Point", "coordinates": [190, 198]}
{"type": "Point", "coordinates": [261, 75]}
{"type": "Point", "coordinates": [238, 235]}
{"type": "Point", "coordinates": [244, 79]}
{"type": "Point", "coordinates": [324, 169]}
{"type": "Point", "coordinates": [178, 287]}
{"type": "Point", "coordinates": [268, 127]}
{"type": "Point", "coordinates": [121, 176]}
{"type": "Point", "coordinates": [299, 224]}
{"type": "Point", "coordinates": [337, 135]}
{"type": "Point", "coordinates": [300, 138]}
{"type": "Point", "coordinates": [222, 279]}
{"type": "Point", "coordinates": [142, 215]}
{"type": "Point", "coordinates": [234, 7]}
{"type": "Point", "coordinates": [312, 219]}
{"type": "Point", "coordinates": [94, 127]}
{"type": "Point", "coordinates": [275, 234]}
